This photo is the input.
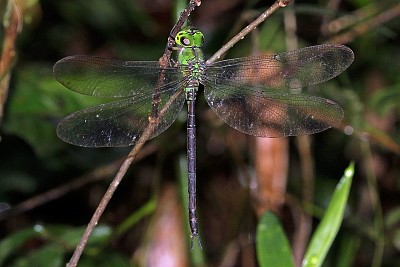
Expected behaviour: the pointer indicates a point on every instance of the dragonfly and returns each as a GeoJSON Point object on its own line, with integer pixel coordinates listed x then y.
{"type": "Point", "coordinates": [257, 95]}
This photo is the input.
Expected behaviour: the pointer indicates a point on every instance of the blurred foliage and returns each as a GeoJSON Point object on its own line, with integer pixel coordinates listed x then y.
{"type": "Point", "coordinates": [33, 160]}
{"type": "Point", "coordinates": [56, 242]}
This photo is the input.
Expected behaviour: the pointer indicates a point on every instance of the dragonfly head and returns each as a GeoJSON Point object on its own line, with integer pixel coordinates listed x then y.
{"type": "Point", "coordinates": [190, 37]}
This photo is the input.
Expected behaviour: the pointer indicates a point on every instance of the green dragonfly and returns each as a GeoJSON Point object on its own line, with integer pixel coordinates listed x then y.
{"type": "Point", "coordinates": [257, 95]}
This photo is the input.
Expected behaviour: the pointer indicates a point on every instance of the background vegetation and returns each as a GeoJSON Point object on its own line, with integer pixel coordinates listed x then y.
{"type": "Point", "coordinates": [53, 188]}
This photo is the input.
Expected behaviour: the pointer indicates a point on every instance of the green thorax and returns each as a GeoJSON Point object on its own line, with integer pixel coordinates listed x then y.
{"type": "Point", "coordinates": [191, 59]}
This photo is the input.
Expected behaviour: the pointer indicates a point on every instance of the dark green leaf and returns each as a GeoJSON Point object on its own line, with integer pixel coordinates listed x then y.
{"type": "Point", "coordinates": [13, 241]}
{"type": "Point", "coordinates": [273, 248]}
{"type": "Point", "coordinates": [46, 256]}
{"type": "Point", "coordinates": [36, 105]}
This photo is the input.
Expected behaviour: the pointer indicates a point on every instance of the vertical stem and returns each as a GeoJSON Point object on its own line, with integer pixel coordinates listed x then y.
{"type": "Point", "coordinates": [376, 205]}
{"type": "Point", "coordinates": [7, 57]}
{"type": "Point", "coordinates": [304, 221]}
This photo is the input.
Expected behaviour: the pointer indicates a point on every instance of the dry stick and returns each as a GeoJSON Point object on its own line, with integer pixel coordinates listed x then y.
{"type": "Point", "coordinates": [364, 27]}
{"type": "Point", "coordinates": [381, 138]}
{"type": "Point", "coordinates": [391, 13]}
{"type": "Point", "coordinates": [98, 174]}
{"type": "Point", "coordinates": [117, 179]}
{"type": "Point", "coordinates": [275, 6]}
{"type": "Point", "coordinates": [358, 16]}
{"type": "Point", "coordinates": [153, 122]}
{"type": "Point", "coordinates": [331, 5]}
{"type": "Point", "coordinates": [374, 196]}
{"type": "Point", "coordinates": [55, 193]}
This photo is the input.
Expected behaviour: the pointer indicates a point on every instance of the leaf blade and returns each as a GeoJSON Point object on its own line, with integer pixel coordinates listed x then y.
{"type": "Point", "coordinates": [330, 223]}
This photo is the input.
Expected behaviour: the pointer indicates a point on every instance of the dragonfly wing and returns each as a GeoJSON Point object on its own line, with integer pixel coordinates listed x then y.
{"type": "Point", "coordinates": [258, 96]}
{"type": "Point", "coordinates": [289, 70]}
{"type": "Point", "coordinates": [119, 123]}
{"type": "Point", "coordinates": [113, 78]}
{"type": "Point", "coordinates": [272, 114]}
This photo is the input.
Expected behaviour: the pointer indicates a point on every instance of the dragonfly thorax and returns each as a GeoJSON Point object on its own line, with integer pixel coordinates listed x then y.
{"type": "Point", "coordinates": [191, 61]}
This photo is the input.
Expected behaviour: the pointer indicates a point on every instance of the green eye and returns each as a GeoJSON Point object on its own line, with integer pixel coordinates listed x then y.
{"type": "Point", "coordinates": [198, 38]}
{"type": "Point", "coordinates": [190, 37]}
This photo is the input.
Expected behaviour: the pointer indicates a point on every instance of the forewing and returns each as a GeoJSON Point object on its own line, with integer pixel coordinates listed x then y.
{"type": "Point", "coordinates": [119, 123]}
{"type": "Point", "coordinates": [256, 95]}
{"type": "Point", "coordinates": [114, 78]}
{"type": "Point", "coordinates": [285, 71]}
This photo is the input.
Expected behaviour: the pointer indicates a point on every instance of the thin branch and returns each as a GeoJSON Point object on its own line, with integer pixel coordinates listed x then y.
{"type": "Point", "coordinates": [100, 173]}
{"type": "Point", "coordinates": [376, 204]}
{"type": "Point", "coordinates": [266, 14]}
{"type": "Point", "coordinates": [365, 26]}
{"type": "Point", "coordinates": [358, 16]}
{"type": "Point", "coordinates": [331, 5]}
{"type": "Point", "coordinates": [116, 181]}
{"type": "Point", "coordinates": [381, 138]}
{"type": "Point", "coordinates": [154, 119]}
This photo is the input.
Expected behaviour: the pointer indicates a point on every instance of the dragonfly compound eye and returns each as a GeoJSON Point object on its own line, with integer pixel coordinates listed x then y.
{"type": "Point", "coordinates": [183, 39]}
{"type": "Point", "coordinates": [198, 38]}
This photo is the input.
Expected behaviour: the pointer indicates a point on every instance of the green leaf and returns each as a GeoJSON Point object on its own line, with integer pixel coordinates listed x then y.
{"type": "Point", "coordinates": [12, 242]}
{"type": "Point", "coordinates": [72, 235]}
{"type": "Point", "coordinates": [347, 253]}
{"type": "Point", "coordinates": [37, 104]}
{"type": "Point", "coordinates": [136, 216]}
{"type": "Point", "coordinates": [50, 256]}
{"type": "Point", "coordinates": [105, 259]}
{"type": "Point", "coordinates": [273, 248]}
{"type": "Point", "coordinates": [330, 223]}
{"type": "Point", "coordinates": [392, 217]}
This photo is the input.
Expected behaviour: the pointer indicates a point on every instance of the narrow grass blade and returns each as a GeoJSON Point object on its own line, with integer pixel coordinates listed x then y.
{"type": "Point", "coordinates": [330, 224]}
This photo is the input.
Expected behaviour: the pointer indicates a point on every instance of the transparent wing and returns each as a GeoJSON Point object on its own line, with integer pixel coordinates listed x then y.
{"type": "Point", "coordinates": [113, 78]}
{"type": "Point", "coordinates": [259, 95]}
{"type": "Point", "coordinates": [119, 123]}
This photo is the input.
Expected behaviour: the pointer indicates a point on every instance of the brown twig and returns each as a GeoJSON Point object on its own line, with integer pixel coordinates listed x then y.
{"type": "Point", "coordinates": [275, 6]}
{"type": "Point", "coordinates": [361, 15]}
{"type": "Point", "coordinates": [365, 26]}
{"type": "Point", "coordinates": [381, 138]}
{"type": "Point", "coordinates": [8, 54]}
{"type": "Point", "coordinates": [331, 5]}
{"type": "Point", "coordinates": [116, 181]}
{"type": "Point", "coordinates": [153, 122]}
{"type": "Point", "coordinates": [100, 173]}
{"type": "Point", "coordinates": [374, 196]}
